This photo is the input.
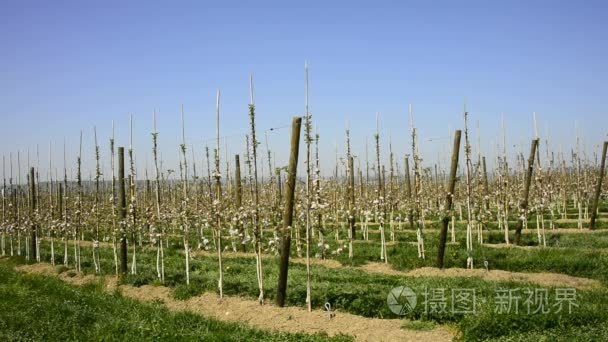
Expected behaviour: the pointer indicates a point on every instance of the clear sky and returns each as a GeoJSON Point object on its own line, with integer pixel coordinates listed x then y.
{"type": "Point", "coordinates": [72, 65]}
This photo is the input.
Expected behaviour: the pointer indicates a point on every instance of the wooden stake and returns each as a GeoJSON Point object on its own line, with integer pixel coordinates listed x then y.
{"type": "Point", "coordinates": [485, 183]}
{"type": "Point", "coordinates": [239, 197]}
{"type": "Point", "coordinates": [523, 206]}
{"type": "Point", "coordinates": [122, 210]}
{"type": "Point", "coordinates": [449, 200]}
{"type": "Point", "coordinates": [598, 188]}
{"type": "Point", "coordinates": [351, 198]}
{"type": "Point", "coordinates": [33, 203]}
{"type": "Point", "coordinates": [288, 211]}
{"type": "Point", "coordinates": [408, 186]}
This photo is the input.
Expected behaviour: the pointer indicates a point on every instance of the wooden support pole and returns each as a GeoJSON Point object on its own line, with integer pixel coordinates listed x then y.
{"type": "Point", "coordinates": [290, 187]}
{"type": "Point", "coordinates": [122, 210]}
{"type": "Point", "coordinates": [351, 195]}
{"type": "Point", "coordinates": [237, 180]}
{"type": "Point", "coordinates": [523, 205]}
{"type": "Point", "coordinates": [449, 200]}
{"type": "Point", "coordinates": [598, 187]}
{"type": "Point", "coordinates": [60, 201]}
{"type": "Point", "coordinates": [33, 203]}
{"type": "Point", "coordinates": [408, 187]}
{"type": "Point", "coordinates": [486, 189]}
{"type": "Point", "coordinates": [239, 198]}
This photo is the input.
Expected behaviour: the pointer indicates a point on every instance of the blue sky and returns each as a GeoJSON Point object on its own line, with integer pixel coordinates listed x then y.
{"type": "Point", "coordinates": [67, 66]}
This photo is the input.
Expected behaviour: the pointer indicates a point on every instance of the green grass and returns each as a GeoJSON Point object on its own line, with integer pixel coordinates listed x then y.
{"type": "Point", "coordinates": [36, 308]}
{"type": "Point", "coordinates": [419, 325]}
{"type": "Point", "coordinates": [583, 333]}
